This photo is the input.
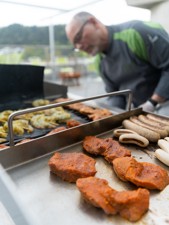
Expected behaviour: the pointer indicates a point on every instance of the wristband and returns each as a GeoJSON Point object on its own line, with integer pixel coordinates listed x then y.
{"type": "Point", "coordinates": [153, 102]}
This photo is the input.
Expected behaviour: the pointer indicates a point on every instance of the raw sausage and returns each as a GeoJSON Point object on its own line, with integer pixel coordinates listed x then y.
{"type": "Point", "coordinates": [164, 145]}
{"type": "Point", "coordinates": [162, 156]}
{"type": "Point", "coordinates": [152, 136]}
{"type": "Point", "coordinates": [163, 133]}
{"type": "Point", "coordinates": [158, 119]}
{"type": "Point", "coordinates": [119, 132]}
{"type": "Point", "coordinates": [134, 139]}
{"type": "Point", "coordinates": [151, 122]}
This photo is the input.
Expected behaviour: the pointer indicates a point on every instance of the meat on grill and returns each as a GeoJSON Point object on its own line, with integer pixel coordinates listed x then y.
{"type": "Point", "coordinates": [59, 100]}
{"type": "Point", "coordinates": [99, 114]}
{"type": "Point", "coordinates": [91, 112]}
{"type": "Point", "coordinates": [74, 106]}
{"type": "Point", "coordinates": [24, 141]}
{"type": "Point", "coordinates": [109, 148]}
{"type": "Point", "coordinates": [72, 123]}
{"type": "Point", "coordinates": [131, 205]}
{"type": "Point", "coordinates": [71, 166]}
{"type": "Point", "coordinates": [56, 130]}
{"type": "Point", "coordinates": [2, 146]}
{"type": "Point", "coordinates": [142, 174]}
{"type": "Point", "coordinates": [84, 109]}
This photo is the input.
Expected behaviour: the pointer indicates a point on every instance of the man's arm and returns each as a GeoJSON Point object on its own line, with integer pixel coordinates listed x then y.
{"type": "Point", "coordinates": [157, 44]}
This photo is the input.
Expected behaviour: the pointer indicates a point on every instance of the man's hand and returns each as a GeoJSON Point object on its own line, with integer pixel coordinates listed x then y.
{"type": "Point", "coordinates": [148, 106]}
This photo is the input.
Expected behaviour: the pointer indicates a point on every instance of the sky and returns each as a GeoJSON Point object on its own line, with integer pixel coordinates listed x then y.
{"type": "Point", "coordinates": [107, 11]}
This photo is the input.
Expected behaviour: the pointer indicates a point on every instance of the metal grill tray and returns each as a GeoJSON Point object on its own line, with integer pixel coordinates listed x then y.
{"type": "Point", "coordinates": [39, 108]}
{"type": "Point", "coordinates": [41, 132]}
{"type": "Point", "coordinates": [53, 201]}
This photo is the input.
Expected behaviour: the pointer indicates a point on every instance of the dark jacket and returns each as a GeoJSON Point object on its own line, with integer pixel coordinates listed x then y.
{"type": "Point", "coordinates": [137, 58]}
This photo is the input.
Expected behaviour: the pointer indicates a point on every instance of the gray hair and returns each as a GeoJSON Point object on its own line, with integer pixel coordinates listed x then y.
{"type": "Point", "coordinates": [82, 17]}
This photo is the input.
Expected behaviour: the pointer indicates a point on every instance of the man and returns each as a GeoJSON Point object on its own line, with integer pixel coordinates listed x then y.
{"type": "Point", "coordinates": [133, 55]}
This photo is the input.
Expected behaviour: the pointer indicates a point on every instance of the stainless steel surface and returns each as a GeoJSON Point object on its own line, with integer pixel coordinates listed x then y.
{"type": "Point", "coordinates": [46, 144]}
{"type": "Point", "coordinates": [12, 210]}
{"type": "Point", "coordinates": [21, 112]}
{"type": "Point", "coordinates": [53, 201]}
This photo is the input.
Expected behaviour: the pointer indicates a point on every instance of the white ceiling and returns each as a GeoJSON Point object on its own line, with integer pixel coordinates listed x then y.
{"type": "Point", "coordinates": [40, 12]}
{"type": "Point", "coordinates": [58, 6]}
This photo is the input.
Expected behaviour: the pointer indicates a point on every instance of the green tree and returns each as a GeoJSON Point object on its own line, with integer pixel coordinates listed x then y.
{"type": "Point", "coordinates": [38, 51]}
{"type": "Point", "coordinates": [17, 34]}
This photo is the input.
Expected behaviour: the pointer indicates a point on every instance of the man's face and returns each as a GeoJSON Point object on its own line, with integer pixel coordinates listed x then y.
{"type": "Point", "coordinates": [84, 37]}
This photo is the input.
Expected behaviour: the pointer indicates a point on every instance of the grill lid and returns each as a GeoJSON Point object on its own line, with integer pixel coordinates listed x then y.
{"type": "Point", "coordinates": [19, 83]}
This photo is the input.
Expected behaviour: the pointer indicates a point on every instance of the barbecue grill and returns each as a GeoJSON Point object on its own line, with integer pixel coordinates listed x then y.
{"type": "Point", "coordinates": [53, 201]}
{"type": "Point", "coordinates": [21, 84]}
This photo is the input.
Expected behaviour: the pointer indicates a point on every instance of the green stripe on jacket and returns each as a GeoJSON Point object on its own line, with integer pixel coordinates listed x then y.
{"type": "Point", "coordinates": [134, 41]}
{"type": "Point", "coordinates": [153, 25]}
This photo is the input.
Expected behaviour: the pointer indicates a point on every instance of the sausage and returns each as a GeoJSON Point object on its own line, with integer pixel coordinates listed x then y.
{"type": "Point", "coordinates": [164, 145]}
{"type": "Point", "coordinates": [163, 133]}
{"type": "Point", "coordinates": [158, 119]}
{"type": "Point", "coordinates": [162, 156]}
{"type": "Point", "coordinates": [119, 132]}
{"type": "Point", "coordinates": [167, 139]}
{"type": "Point", "coordinates": [152, 136]}
{"type": "Point", "coordinates": [151, 122]}
{"type": "Point", "coordinates": [134, 139]}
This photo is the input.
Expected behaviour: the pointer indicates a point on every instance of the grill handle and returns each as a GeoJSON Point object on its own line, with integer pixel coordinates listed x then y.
{"type": "Point", "coordinates": [39, 108]}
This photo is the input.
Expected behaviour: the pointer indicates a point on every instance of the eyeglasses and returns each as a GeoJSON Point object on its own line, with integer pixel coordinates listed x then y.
{"type": "Point", "coordinates": [79, 34]}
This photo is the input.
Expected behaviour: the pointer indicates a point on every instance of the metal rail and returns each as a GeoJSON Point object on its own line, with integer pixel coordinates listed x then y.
{"type": "Point", "coordinates": [39, 108]}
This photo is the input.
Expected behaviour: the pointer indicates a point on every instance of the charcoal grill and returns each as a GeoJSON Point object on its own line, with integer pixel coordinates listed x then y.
{"type": "Point", "coordinates": [53, 201]}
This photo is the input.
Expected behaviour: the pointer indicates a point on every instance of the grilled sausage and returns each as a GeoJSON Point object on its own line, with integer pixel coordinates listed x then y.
{"type": "Point", "coordinates": [163, 133]}
{"type": "Point", "coordinates": [134, 139]}
{"type": "Point", "coordinates": [119, 132]}
{"type": "Point", "coordinates": [152, 136]}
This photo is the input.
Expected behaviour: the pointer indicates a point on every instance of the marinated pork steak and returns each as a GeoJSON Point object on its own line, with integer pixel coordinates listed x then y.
{"type": "Point", "coordinates": [112, 150]}
{"type": "Point", "coordinates": [109, 148]}
{"type": "Point", "coordinates": [96, 192]}
{"type": "Point", "coordinates": [93, 145]}
{"type": "Point", "coordinates": [71, 166]}
{"type": "Point", "coordinates": [142, 174]}
{"type": "Point", "coordinates": [131, 205]}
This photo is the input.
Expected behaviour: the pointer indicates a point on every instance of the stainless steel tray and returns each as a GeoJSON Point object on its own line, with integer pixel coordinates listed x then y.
{"type": "Point", "coordinates": [53, 201]}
